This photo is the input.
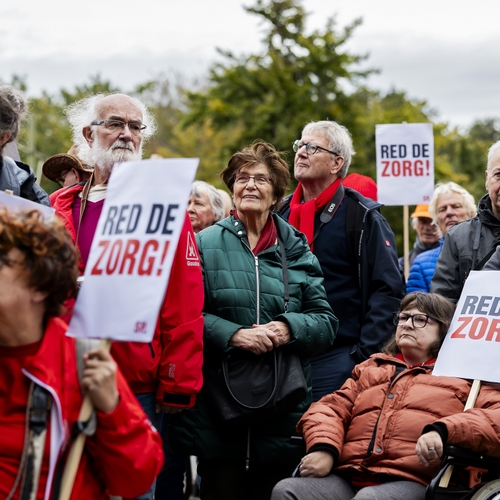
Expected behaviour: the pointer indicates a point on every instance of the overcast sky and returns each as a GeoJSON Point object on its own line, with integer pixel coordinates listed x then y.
{"type": "Point", "coordinates": [443, 51]}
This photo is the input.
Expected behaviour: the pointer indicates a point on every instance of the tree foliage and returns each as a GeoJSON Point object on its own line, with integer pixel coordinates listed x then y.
{"type": "Point", "coordinates": [295, 78]}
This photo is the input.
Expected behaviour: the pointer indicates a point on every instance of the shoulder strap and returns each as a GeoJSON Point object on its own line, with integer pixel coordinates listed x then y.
{"type": "Point", "coordinates": [83, 203]}
{"type": "Point", "coordinates": [485, 259]}
{"type": "Point", "coordinates": [285, 273]}
{"type": "Point", "coordinates": [38, 407]}
{"type": "Point", "coordinates": [355, 221]}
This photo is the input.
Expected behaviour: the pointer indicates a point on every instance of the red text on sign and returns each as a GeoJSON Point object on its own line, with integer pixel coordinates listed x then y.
{"type": "Point", "coordinates": [130, 257]}
{"type": "Point", "coordinates": [482, 328]}
{"type": "Point", "coordinates": [405, 168]}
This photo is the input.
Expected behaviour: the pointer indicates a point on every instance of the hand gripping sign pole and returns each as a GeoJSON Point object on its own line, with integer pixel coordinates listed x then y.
{"type": "Point", "coordinates": [133, 249]}
{"type": "Point", "coordinates": [76, 450]}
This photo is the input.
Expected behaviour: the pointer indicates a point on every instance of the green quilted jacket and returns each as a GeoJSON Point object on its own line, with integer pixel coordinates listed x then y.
{"type": "Point", "coordinates": [241, 290]}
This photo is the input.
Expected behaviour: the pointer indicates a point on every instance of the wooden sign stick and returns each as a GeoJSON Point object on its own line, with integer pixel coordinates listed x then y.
{"type": "Point", "coordinates": [75, 453]}
{"type": "Point", "coordinates": [406, 241]}
{"type": "Point", "coordinates": [471, 401]}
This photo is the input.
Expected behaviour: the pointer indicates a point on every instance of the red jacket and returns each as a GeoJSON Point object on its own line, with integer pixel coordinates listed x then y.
{"type": "Point", "coordinates": [171, 363]}
{"type": "Point", "coordinates": [111, 463]}
{"type": "Point", "coordinates": [374, 423]}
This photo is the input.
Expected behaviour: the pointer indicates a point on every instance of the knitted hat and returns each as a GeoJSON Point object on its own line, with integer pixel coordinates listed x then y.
{"type": "Point", "coordinates": [421, 211]}
{"type": "Point", "coordinates": [53, 167]}
{"type": "Point", "coordinates": [362, 184]}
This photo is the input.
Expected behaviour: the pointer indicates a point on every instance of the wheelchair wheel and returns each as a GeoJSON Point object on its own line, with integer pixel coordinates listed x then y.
{"type": "Point", "coordinates": [490, 491]}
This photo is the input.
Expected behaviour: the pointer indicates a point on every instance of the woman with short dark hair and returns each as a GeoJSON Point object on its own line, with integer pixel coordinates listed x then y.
{"type": "Point", "coordinates": [244, 260]}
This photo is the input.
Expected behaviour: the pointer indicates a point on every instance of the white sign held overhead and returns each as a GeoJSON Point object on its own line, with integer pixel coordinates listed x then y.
{"type": "Point", "coordinates": [471, 349]}
{"type": "Point", "coordinates": [133, 249]}
{"type": "Point", "coordinates": [405, 163]}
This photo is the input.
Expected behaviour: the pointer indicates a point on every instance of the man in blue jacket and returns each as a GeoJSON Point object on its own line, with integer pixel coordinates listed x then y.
{"type": "Point", "coordinates": [354, 245]}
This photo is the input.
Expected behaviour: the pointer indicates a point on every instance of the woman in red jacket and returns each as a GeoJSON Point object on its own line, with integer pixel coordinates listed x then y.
{"type": "Point", "coordinates": [40, 392]}
{"type": "Point", "coordinates": [382, 434]}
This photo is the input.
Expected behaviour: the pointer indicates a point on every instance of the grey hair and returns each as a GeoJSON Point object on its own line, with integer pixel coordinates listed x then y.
{"type": "Point", "coordinates": [339, 140]}
{"type": "Point", "coordinates": [13, 107]}
{"type": "Point", "coordinates": [216, 201]}
{"type": "Point", "coordinates": [83, 112]}
{"type": "Point", "coordinates": [450, 188]}
{"type": "Point", "coordinates": [493, 149]}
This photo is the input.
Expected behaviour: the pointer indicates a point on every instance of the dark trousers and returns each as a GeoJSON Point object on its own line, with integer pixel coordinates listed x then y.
{"type": "Point", "coordinates": [228, 479]}
{"type": "Point", "coordinates": [330, 369]}
{"type": "Point", "coordinates": [170, 481]}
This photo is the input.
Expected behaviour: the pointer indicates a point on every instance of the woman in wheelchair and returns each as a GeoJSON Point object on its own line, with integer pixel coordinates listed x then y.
{"type": "Point", "coordinates": [381, 436]}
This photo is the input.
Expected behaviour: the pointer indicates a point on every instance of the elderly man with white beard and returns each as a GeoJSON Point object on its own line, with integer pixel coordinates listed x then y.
{"type": "Point", "coordinates": [165, 375]}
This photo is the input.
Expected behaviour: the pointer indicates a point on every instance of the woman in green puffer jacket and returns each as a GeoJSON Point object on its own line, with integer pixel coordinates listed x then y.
{"type": "Point", "coordinates": [244, 309]}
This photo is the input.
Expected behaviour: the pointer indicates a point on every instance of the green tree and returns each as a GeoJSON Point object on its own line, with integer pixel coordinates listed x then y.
{"type": "Point", "coordinates": [297, 78]}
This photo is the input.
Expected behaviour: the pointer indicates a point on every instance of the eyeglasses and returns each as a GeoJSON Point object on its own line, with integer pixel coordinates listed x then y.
{"type": "Point", "coordinates": [311, 147]}
{"type": "Point", "coordinates": [62, 175]}
{"type": "Point", "coordinates": [259, 180]}
{"type": "Point", "coordinates": [417, 320]}
{"type": "Point", "coordinates": [135, 128]}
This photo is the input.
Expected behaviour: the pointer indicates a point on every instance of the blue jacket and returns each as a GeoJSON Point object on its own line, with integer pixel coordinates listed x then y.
{"type": "Point", "coordinates": [423, 269]}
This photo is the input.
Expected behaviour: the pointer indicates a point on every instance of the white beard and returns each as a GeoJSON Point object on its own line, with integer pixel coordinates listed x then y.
{"type": "Point", "coordinates": [104, 159]}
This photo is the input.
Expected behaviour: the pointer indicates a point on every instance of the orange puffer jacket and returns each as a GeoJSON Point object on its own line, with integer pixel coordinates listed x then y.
{"type": "Point", "coordinates": [376, 418]}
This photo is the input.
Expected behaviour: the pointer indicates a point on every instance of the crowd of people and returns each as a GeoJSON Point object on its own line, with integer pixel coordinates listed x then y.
{"type": "Point", "coordinates": [308, 284]}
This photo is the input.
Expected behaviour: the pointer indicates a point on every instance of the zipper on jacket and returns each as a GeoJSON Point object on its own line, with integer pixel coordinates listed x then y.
{"type": "Point", "coordinates": [257, 281]}
{"type": "Point", "coordinates": [399, 369]}
{"type": "Point", "coordinates": [150, 344]}
{"type": "Point", "coordinates": [257, 286]}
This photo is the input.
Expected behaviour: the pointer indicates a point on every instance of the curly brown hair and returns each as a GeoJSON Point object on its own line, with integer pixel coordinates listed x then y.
{"type": "Point", "coordinates": [50, 257]}
{"type": "Point", "coordinates": [436, 307]}
{"type": "Point", "coordinates": [265, 153]}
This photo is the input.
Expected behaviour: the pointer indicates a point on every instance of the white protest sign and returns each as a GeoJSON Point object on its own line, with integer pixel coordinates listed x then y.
{"type": "Point", "coordinates": [471, 349]}
{"type": "Point", "coordinates": [405, 163]}
{"type": "Point", "coordinates": [133, 248]}
{"type": "Point", "coordinates": [16, 204]}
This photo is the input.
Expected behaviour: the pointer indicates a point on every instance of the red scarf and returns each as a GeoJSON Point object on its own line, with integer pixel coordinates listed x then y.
{"type": "Point", "coordinates": [430, 361]}
{"type": "Point", "coordinates": [302, 214]}
{"type": "Point", "coordinates": [267, 238]}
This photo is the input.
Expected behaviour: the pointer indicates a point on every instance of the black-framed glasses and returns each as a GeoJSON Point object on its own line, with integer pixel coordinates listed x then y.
{"type": "Point", "coordinates": [417, 320]}
{"type": "Point", "coordinates": [135, 128]}
{"type": "Point", "coordinates": [311, 147]}
{"type": "Point", "coordinates": [259, 179]}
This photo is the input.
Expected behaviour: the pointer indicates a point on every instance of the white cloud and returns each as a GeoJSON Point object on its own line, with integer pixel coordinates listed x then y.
{"type": "Point", "coordinates": [442, 51]}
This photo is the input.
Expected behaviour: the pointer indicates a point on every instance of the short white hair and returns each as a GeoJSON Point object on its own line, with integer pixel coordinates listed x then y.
{"type": "Point", "coordinates": [339, 140]}
{"type": "Point", "coordinates": [450, 188]}
{"type": "Point", "coordinates": [214, 197]}
{"type": "Point", "coordinates": [83, 112]}
{"type": "Point", "coordinates": [493, 149]}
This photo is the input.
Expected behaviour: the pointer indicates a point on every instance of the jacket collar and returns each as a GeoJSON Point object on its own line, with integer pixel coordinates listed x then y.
{"type": "Point", "coordinates": [295, 242]}
{"type": "Point", "coordinates": [485, 213]}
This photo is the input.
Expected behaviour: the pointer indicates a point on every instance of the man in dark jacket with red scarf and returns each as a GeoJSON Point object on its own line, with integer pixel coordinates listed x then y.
{"type": "Point", "coordinates": [355, 247]}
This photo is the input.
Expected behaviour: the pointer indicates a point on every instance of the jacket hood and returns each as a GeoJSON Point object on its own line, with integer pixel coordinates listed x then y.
{"type": "Point", "coordinates": [485, 213]}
